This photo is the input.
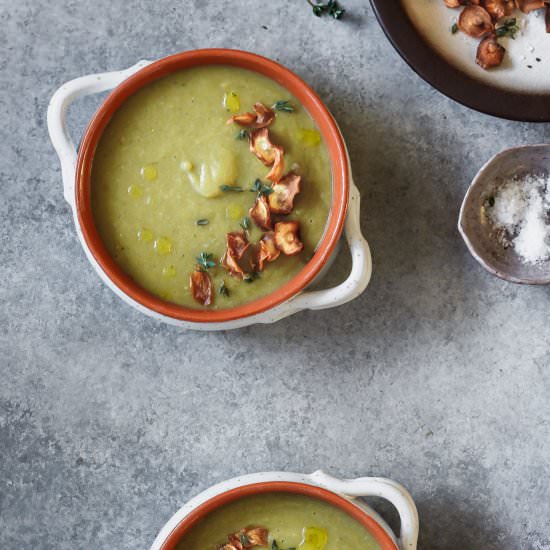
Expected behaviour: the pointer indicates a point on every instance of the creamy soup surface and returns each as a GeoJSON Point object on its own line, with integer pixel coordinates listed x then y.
{"type": "Point", "coordinates": [158, 169]}
{"type": "Point", "coordinates": [526, 65]}
{"type": "Point", "coordinates": [287, 517]}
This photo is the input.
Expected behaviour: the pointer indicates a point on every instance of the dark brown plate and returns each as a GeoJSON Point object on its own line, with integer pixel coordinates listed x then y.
{"type": "Point", "coordinates": [450, 80]}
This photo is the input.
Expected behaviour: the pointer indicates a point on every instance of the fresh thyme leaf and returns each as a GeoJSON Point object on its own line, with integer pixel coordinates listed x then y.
{"type": "Point", "coordinates": [205, 260]}
{"type": "Point", "coordinates": [231, 188]}
{"type": "Point", "coordinates": [245, 541]}
{"type": "Point", "coordinates": [490, 201]}
{"type": "Point", "coordinates": [245, 223]}
{"type": "Point", "coordinates": [283, 105]}
{"type": "Point", "coordinates": [261, 188]}
{"type": "Point", "coordinates": [274, 545]}
{"type": "Point", "coordinates": [243, 134]}
{"type": "Point", "coordinates": [509, 28]}
{"type": "Point", "coordinates": [454, 28]}
{"type": "Point", "coordinates": [332, 8]}
{"type": "Point", "coordinates": [202, 221]}
{"type": "Point", "coordinates": [251, 277]}
{"type": "Point", "coordinates": [223, 290]}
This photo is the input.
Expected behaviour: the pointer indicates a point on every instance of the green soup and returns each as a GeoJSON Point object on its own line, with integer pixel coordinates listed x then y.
{"type": "Point", "coordinates": [288, 518]}
{"type": "Point", "coordinates": [160, 169]}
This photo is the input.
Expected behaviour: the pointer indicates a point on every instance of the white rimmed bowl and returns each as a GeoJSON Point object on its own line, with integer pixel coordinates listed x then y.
{"type": "Point", "coordinates": [292, 297]}
{"type": "Point", "coordinates": [342, 493]}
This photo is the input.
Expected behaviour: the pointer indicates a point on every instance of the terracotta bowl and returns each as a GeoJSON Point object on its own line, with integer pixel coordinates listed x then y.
{"type": "Point", "coordinates": [77, 170]}
{"type": "Point", "coordinates": [476, 229]}
{"type": "Point", "coordinates": [338, 493]}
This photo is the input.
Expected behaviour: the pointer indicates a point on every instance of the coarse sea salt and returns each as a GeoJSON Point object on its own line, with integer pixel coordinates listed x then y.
{"type": "Point", "coordinates": [520, 211]}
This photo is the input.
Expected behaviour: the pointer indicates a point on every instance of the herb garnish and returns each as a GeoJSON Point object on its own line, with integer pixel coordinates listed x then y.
{"type": "Point", "coordinates": [261, 188]}
{"type": "Point", "coordinates": [245, 223]}
{"type": "Point", "coordinates": [332, 8]}
{"type": "Point", "coordinates": [243, 134]}
{"type": "Point", "coordinates": [202, 221]}
{"type": "Point", "coordinates": [283, 105]}
{"type": "Point", "coordinates": [245, 541]}
{"type": "Point", "coordinates": [251, 277]}
{"type": "Point", "coordinates": [223, 290]}
{"type": "Point", "coordinates": [509, 28]}
{"type": "Point", "coordinates": [233, 188]}
{"type": "Point", "coordinates": [275, 546]}
{"type": "Point", "coordinates": [489, 202]}
{"type": "Point", "coordinates": [454, 28]}
{"type": "Point", "coordinates": [205, 260]}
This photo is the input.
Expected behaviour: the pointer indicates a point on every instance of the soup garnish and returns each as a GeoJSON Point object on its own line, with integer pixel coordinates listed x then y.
{"type": "Point", "coordinates": [313, 538]}
{"type": "Point", "coordinates": [242, 259]}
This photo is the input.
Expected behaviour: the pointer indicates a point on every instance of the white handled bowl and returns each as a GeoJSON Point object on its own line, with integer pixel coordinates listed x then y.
{"type": "Point", "coordinates": [76, 168]}
{"type": "Point", "coordinates": [341, 493]}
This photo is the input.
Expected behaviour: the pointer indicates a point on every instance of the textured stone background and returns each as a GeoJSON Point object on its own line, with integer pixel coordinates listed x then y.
{"type": "Point", "coordinates": [437, 376]}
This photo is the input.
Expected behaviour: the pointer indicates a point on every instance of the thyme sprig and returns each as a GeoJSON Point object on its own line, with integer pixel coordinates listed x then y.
{"type": "Point", "coordinates": [245, 223]}
{"type": "Point", "coordinates": [261, 188]}
{"type": "Point", "coordinates": [205, 261]}
{"type": "Point", "coordinates": [223, 290]}
{"type": "Point", "coordinates": [251, 277]}
{"type": "Point", "coordinates": [331, 8]}
{"type": "Point", "coordinates": [283, 105]}
{"type": "Point", "coordinates": [509, 28]}
{"type": "Point", "coordinates": [231, 188]}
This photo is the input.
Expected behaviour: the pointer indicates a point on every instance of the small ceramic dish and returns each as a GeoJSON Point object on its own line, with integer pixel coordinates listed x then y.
{"type": "Point", "coordinates": [289, 298]}
{"type": "Point", "coordinates": [339, 493]}
{"type": "Point", "coordinates": [475, 227]}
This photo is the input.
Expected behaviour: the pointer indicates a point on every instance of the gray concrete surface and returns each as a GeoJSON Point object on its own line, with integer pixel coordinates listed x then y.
{"type": "Point", "coordinates": [438, 376]}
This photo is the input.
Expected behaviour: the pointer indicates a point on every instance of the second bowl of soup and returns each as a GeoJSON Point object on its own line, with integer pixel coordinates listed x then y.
{"type": "Point", "coordinates": [285, 511]}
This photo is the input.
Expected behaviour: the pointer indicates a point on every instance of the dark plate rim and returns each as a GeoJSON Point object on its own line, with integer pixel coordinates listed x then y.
{"type": "Point", "coordinates": [450, 80]}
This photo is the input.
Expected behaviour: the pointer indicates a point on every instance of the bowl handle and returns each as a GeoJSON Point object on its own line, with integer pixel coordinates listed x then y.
{"type": "Point", "coordinates": [378, 487]}
{"type": "Point", "coordinates": [57, 114]}
{"type": "Point", "coordinates": [357, 280]}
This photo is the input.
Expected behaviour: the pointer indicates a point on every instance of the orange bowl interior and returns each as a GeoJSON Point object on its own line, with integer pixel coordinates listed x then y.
{"type": "Point", "coordinates": [164, 67]}
{"type": "Point", "coordinates": [373, 527]}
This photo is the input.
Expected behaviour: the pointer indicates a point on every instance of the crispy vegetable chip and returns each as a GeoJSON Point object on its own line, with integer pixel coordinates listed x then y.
{"type": "Point", "coordinates": [281, 201]}
{"type": "Point", "coordinates": [287, 238]}
{"type": "Point", "coordinates": [200, 285]}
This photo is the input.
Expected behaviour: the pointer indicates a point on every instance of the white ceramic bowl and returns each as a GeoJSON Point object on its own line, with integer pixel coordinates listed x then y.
{"type": "Point", "coordinates": [335, 491]}
{"type": "Point", "coordinates": [77, 166]}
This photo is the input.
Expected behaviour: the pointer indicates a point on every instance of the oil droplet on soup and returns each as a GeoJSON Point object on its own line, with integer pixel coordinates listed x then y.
{"type": "Point", "coordinates": [163, 246]}
{"type": "Point", "coordinates": [309, 137]}
{"type": "Point", "coordinates": [135, 191]}
{"type": "Point", "coordinates": [169, 271]}
{"type": "Point", "coordinates": [314, 538]}
{"type": "Point", "coordinates": [231, 102]}
{"type": "Point", "coordinates": [145, 235]}
{"type": "Point", "coordinates": [149, 172]}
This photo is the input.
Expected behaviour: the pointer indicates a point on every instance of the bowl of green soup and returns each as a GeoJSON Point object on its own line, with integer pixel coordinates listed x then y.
{"type": "Point", "coordinates": [210, 189]}
{"type": "Point", "coordinates": [287, 511]}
